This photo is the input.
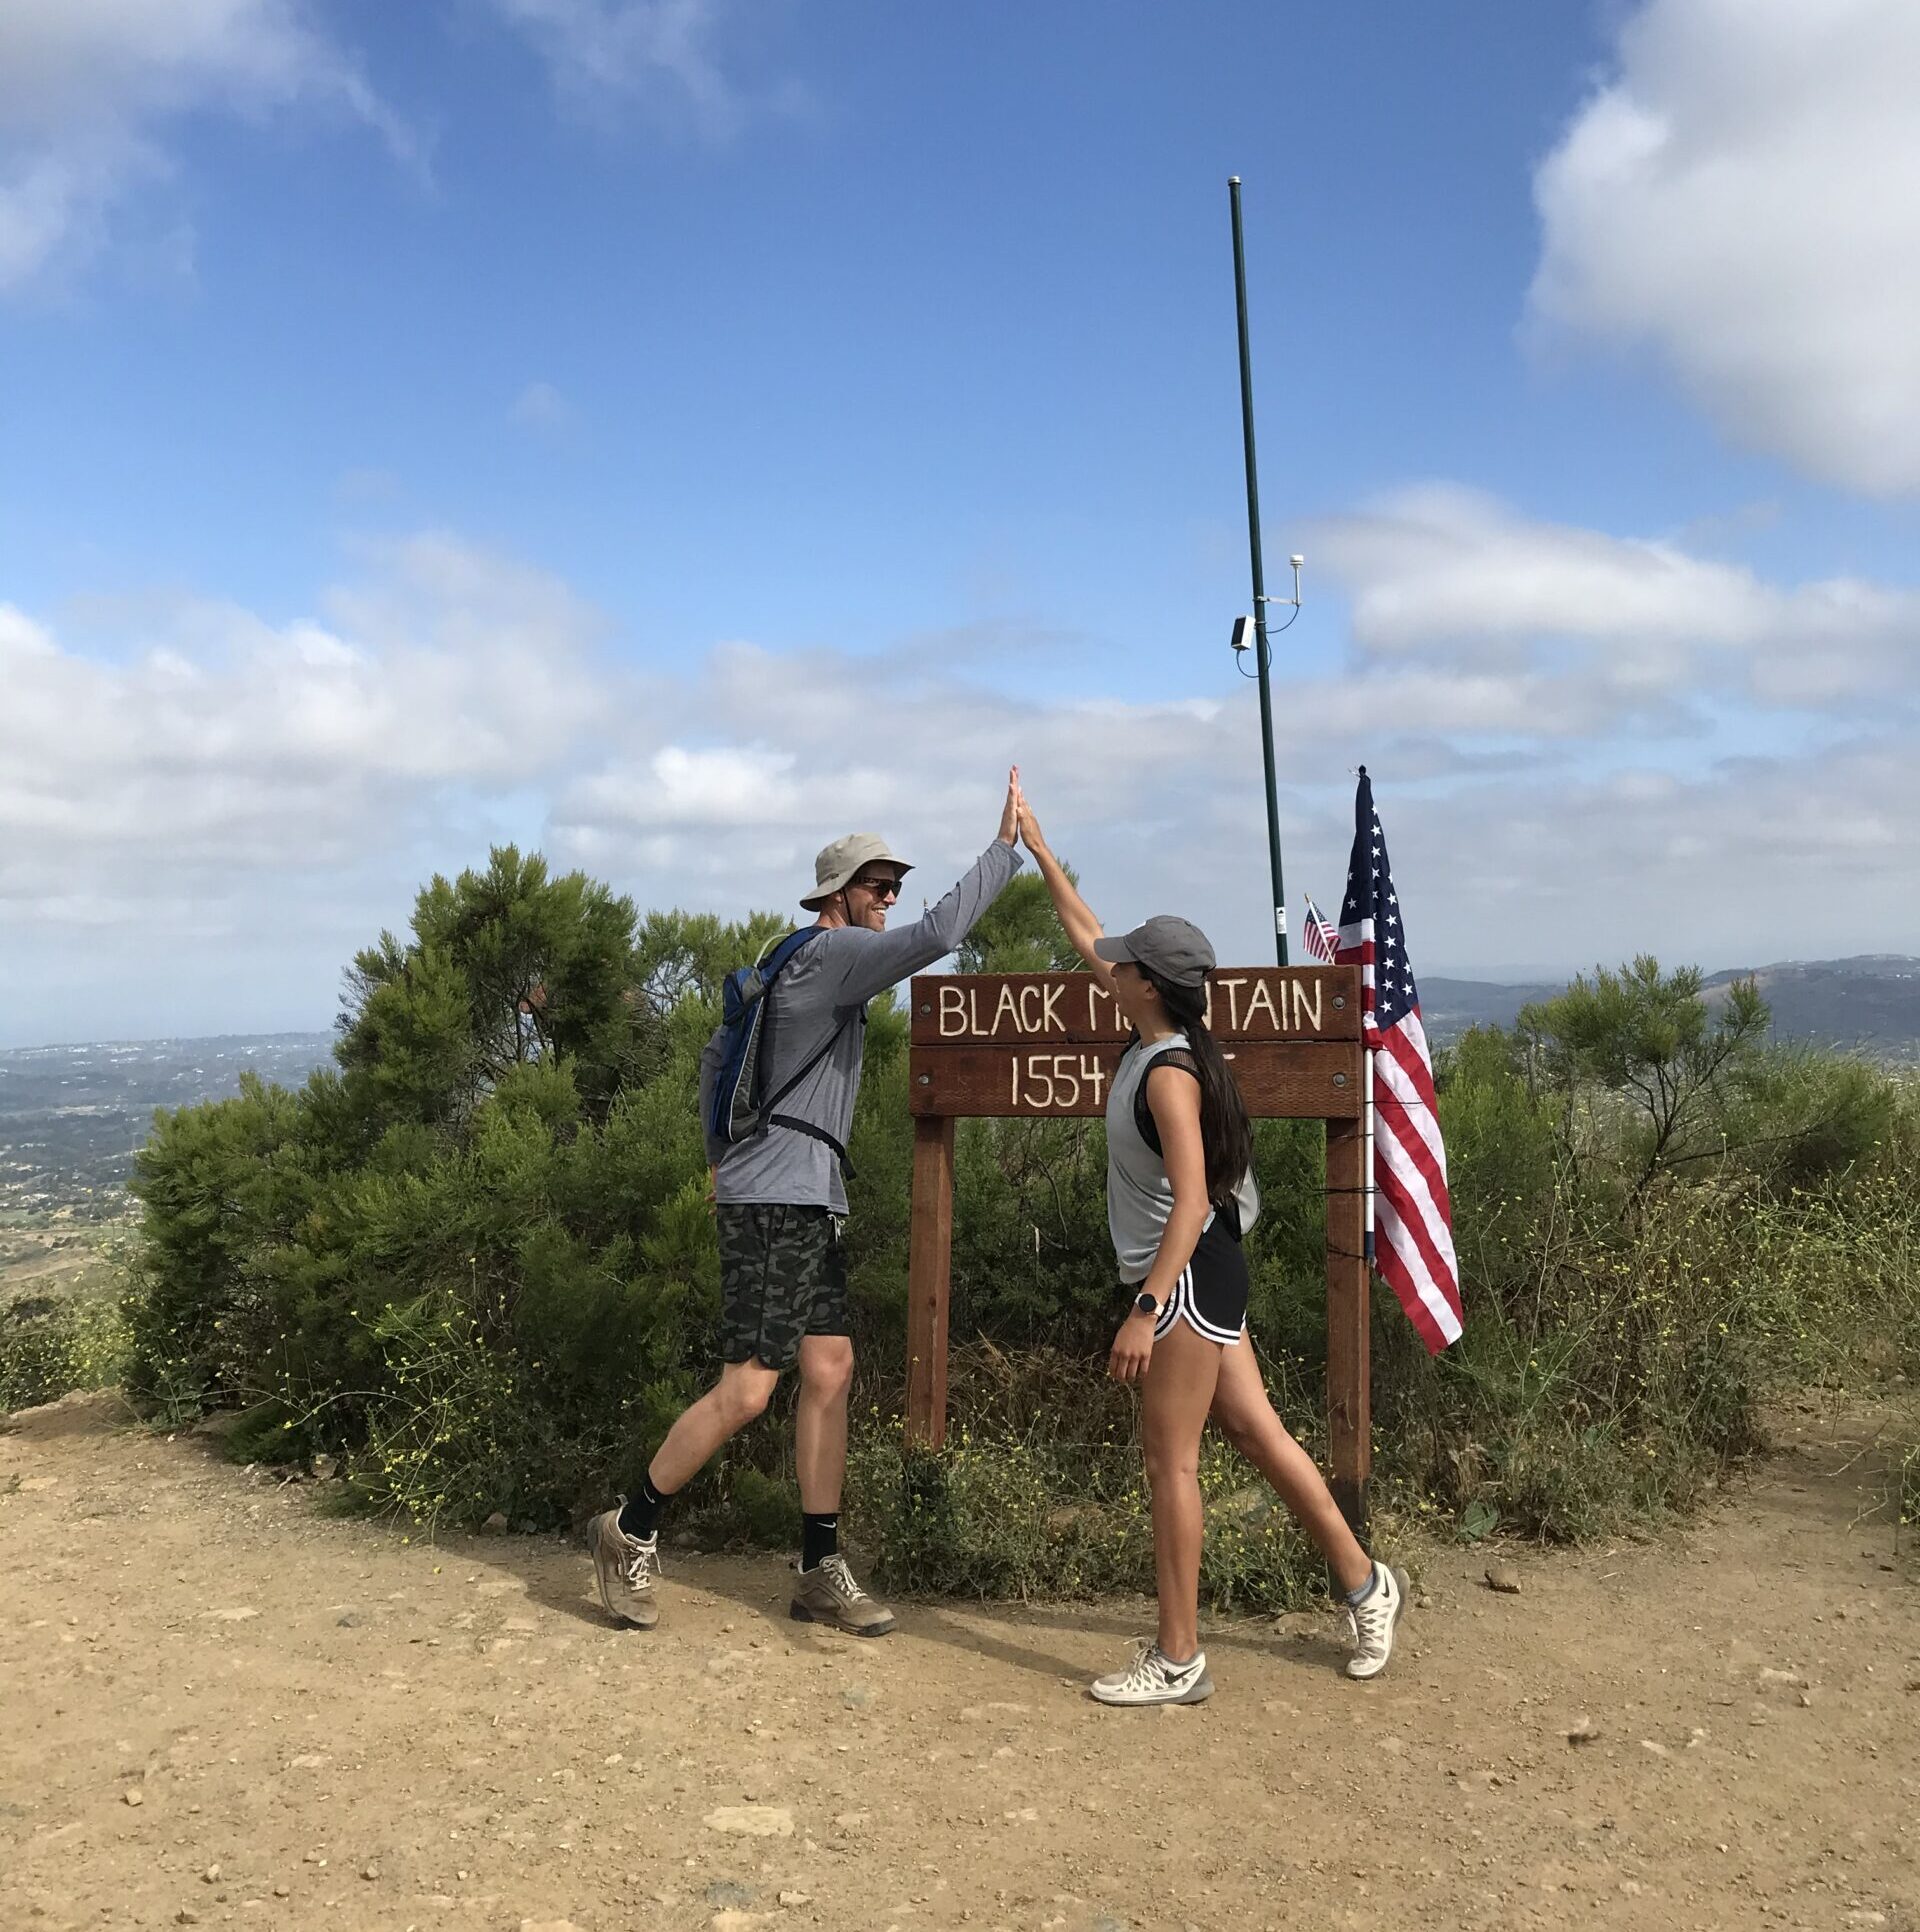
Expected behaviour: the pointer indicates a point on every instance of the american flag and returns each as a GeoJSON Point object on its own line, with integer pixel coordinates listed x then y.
{"type": "Point", "coordinates": [1413, 1240]}
{"type": "Point", "coordinates": [1319, 937]}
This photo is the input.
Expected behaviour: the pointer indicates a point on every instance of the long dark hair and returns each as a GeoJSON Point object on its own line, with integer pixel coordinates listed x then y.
{"type": "Point", "coordinates": [1225, 1131]}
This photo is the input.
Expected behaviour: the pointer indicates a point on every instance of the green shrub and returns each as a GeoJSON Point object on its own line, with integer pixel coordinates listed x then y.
{"type": "Point", "coordinates": [452, 1439]}
{"type": "Point", "coordinates": [1628, 1364]}
{"type": "Point", "coordinates": [992, 1514]}
{"type": "Point", "coordinates": [476, 1262]}
{"type": "Point", "coordinates": [78, 1343]}
{"type": "Point", "coordinates": [768, 1508]}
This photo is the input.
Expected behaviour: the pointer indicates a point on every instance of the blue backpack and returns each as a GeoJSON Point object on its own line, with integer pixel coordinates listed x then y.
{"type": "Point", "coordinates": [741, 1107]}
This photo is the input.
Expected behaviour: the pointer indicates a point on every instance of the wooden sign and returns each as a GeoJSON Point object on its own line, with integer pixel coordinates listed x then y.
{"type": "Point", "coordinates": [1045, 1045]}
{"type": "Point", "coordinates": [1012, 1044]}
{"type": "Point", "coordinates": [1004, 1009]}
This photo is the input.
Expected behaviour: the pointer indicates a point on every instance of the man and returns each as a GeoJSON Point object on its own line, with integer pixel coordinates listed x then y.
{"type": "Point", "coordinates": [780, 1203]}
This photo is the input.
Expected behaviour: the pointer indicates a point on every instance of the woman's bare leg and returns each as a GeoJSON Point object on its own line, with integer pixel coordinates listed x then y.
{"type": "Point", "coordinates": [1247, 1419]}
{"type": "Point", "coordinates": [1178, 1393]}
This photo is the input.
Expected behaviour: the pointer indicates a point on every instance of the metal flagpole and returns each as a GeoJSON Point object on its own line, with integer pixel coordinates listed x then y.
{"type": "Point", "coordinates": [1366, 1156]}
{"type": "Point", "coordinates": [1366, 1082]}
{"type": "Point", "coordinates": [1262, 651]}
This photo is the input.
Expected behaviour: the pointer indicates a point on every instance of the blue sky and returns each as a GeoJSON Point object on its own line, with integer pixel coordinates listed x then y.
{"type": "Point", "coordinates": [671, 433]}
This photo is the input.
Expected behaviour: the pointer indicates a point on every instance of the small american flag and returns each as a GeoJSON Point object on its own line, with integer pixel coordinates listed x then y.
{"type": "Point", "coordinates": [1319, 937]}
{"type": "Point", "coordinates": [1413, 1247]}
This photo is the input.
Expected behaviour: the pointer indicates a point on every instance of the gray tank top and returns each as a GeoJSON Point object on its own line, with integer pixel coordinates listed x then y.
{"type": "Point", "coordinates": [1139, 1195]}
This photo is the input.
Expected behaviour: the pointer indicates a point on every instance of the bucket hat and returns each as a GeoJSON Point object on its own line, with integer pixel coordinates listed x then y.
{"type": "Point", "coordinates": [836, 865]}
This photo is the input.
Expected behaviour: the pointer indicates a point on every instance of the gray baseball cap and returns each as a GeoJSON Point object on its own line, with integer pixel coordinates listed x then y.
{"type": "Point", "coordinates": [837, 863]}
{"type": "Point", "coordinates": [1166, 944]}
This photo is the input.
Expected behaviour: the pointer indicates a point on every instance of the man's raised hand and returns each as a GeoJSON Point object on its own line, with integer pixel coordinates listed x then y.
{"type": "Point", "coordinates": [1010, 815]}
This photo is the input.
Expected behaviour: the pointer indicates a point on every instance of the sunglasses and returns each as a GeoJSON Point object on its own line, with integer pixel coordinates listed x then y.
{"type": "Point", "coordinates": [888, 888]}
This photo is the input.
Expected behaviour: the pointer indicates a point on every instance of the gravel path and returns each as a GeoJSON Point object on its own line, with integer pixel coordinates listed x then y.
{"type": "Point", "coordinates": [222, 1708]}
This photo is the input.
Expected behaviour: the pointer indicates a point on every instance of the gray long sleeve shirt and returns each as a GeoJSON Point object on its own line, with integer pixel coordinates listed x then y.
{"type": "Point", "coordinates": [832, 978]}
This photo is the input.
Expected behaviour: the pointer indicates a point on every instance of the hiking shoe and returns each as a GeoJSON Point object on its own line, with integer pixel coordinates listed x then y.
{"type": "Point", "coordinates": [827, 1593]}
{"type": "Point", "coordinates": [626, 1567]}
{"type": "Point", "coordinates": [1373, 1622]}
{"type": "Point", "coordinates": [1152, 1678]}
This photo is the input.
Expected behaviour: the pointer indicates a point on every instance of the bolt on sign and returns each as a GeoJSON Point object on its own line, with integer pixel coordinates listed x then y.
{"type": "Point", "coordinates": [1045, 1045]}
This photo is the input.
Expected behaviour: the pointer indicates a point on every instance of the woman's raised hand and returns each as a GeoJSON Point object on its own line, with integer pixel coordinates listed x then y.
{"type": "Point", "coordinates": [1031, 835]}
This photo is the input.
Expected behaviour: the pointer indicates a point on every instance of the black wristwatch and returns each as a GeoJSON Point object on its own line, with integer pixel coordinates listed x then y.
{"type": "Point", "coordinates": [1144, 1304]}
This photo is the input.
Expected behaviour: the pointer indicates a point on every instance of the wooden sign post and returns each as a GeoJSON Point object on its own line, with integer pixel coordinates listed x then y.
{"type": "Point", "coordinates": [1030, 1045]}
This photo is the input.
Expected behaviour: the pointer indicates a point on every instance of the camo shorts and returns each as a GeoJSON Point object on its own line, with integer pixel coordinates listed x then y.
{"type": "Point", "coordinates": [783, 1274]}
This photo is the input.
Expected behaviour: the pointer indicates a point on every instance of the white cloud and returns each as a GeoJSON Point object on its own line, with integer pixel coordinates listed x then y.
{"type": "Point", "coordinates": [660, 53]}
{"type": "Point", "coordinates": [541, 407]}
{"type": "Point", "coordinates": [743, 772]}
{"type": "Point", "coordinates": [203, 808]}
{"type": "Point", "coordinates": [1742, 196]}
{"type": "Point", "coordinates": [88, 89]}
{"type": "Point", "coordinates": [678, 785]}
{"type": "Point", "coordinates": [1459, 578]}
{"type": "Point", "coordinates": [730, 783]}
{"type": "Point", "coordinates": [1718, 869]}
{"type": "Point", "coordinates": [212, 746]}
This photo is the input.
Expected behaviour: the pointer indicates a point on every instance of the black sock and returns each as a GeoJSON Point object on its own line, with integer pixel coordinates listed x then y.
{"type": "Point", "coordinates": [819, 1539]}
{"type": "Point", "coordinates": [641, 1516]}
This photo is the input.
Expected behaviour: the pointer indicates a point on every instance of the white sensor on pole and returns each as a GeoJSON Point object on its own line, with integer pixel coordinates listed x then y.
{"type": "Point", "coordinates": [1242, 633]}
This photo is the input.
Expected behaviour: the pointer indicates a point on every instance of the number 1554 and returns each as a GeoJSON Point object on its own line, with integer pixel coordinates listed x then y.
{"type": "Point", "coordinates": [1045, 1081]}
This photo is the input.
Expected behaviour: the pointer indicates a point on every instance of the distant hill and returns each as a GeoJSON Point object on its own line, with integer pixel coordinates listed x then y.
{"type": "Point", "coordinates": [71, 1116]}
{"type": "Point", "coordinates": [1870, 1002]}
{"type": "Point", "coordinates": [1450, 1006]}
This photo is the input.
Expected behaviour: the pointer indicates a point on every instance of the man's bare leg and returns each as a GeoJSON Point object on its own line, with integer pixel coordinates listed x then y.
{"type": "Point", "coordinates": [820, 1421]}
{"type": "Point", "coordinates": [624, 1539]}
{"type": "Point", "coordinates": [739, 1397]}
{"type": "Point", "coordinates": [826, 1591]}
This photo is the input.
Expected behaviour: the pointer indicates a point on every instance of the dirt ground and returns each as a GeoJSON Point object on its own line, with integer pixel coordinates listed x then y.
{"type": "Point", "coordinates": [58, 1257]}
{"type": "Point", "coordinates": [217, 1706]}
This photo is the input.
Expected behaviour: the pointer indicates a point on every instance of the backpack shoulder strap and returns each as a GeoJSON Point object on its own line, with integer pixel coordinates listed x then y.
{"type": "Point", "coordinates": [792, 1122]}
{"type": "Point", "coordinates": [782, 951]}
{"type": "Point", "coordinates": [787, 948]}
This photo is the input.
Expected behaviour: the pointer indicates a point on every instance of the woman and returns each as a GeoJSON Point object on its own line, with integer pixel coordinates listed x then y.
{"type": "Point", "coordinates": [1180, 1195]}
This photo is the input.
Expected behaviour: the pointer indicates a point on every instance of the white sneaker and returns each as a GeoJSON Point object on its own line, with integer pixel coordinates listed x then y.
{"type": "Point", "coordinates": [1155, 1679]}
{"type": "Point", "coordinates": [1373, 1622]}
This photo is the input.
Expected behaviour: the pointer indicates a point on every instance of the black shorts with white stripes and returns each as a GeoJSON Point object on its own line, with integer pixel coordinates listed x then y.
{"type": "Point", "coordinates": [1211, 1294]}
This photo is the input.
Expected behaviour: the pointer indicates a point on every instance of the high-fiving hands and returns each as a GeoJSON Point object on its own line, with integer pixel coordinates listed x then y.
{"type": "Point", "coordinates": [1018, 817]}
